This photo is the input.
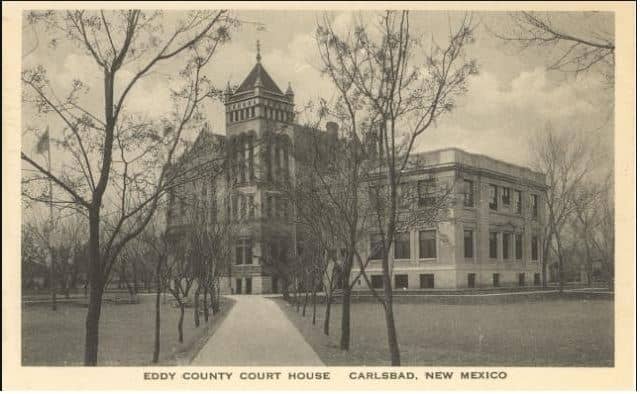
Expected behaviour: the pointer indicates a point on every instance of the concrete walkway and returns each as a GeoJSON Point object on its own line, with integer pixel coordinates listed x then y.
{"type": "Point", "coordinates": [256, 332]}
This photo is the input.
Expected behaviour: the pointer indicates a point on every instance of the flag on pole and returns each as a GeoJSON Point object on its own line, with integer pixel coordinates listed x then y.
{"type": "Point", "coordinates": [43, 142]}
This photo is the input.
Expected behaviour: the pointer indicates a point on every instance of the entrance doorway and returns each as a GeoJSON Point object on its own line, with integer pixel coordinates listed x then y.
{"type": "Point", "coordinates": [238, 286]}
{"type": "Point", "coordinates": [248, 286]}
{"type": "Point", "coordinates": [274, 285]}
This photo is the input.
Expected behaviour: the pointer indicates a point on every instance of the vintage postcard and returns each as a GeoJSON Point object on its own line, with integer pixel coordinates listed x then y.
{"type": "Point", "coordinates": [393, 196]}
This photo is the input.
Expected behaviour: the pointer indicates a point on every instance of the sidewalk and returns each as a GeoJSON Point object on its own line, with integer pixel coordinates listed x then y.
{"type": "Point", "coordinates": [256, 332]}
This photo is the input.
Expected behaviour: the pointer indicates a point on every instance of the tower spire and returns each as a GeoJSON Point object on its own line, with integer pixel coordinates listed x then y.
{"type": "Point", "coordinates": [258, 57]}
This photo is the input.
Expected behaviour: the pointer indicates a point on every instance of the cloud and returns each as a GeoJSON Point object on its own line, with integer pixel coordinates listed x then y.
{"type": "Point", "coordinates": [500, 121]}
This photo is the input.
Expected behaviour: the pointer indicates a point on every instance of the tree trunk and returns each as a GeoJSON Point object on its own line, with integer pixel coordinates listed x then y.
{"type": "Point", "coordinates": [52, 282]}
{"type": "Point", "coordinates": [545, 262]}
{"type": "Point", "coordinates": [560, 263]}
{"type": "Point", "coordinates": [306, 300]}
{"type": "Point", "coordinates": [180, 321]}
{"type": "Point", "coordinates": [196, 306]}
{"type": "Point", "coordinates": [92, 321]}
{"type": "Point", "coordinates": [345, 335]}
{"type": "Point", "coordinates": [327, 315]}
{"type": "Point", "coordinates": [205, 305]}
{"type": "Point", "coordinates": [392, 337]}
{"type": "Point", "coordinates": [156, 343]}
{"type": "Point", "coordinates": [313, 301]}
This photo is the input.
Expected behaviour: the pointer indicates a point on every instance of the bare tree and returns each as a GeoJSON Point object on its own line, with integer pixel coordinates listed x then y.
{"type": "Point", "coordinates": [565, 160]}
{"type": "Point", "coordinates": [576, 43]}
{"type": "Point", "coordinates": [400, 95]}
{"type": "Point", "coordinates": [119, 158]}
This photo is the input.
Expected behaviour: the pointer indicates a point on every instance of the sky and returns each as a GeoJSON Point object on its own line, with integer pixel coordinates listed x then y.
{"type": "Point", "coordinates": [513, 97]}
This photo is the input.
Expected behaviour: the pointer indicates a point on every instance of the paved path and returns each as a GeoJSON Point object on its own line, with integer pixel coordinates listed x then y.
{"type": "Point", "coordinates": [256, 332]}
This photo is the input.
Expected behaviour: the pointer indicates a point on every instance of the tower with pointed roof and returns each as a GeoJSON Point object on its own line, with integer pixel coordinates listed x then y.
{"type": "Point", "coordinates": [260, 130]}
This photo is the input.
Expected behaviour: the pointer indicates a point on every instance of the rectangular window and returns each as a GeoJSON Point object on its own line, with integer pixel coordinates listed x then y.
{"type": "Point", "coordinates": [243, 207]}
{"type": "Point", "coordinates": [427, 281]}
{"type": "Point", "coordinates": [518, 197]}
{"type": "Point", "coordinates": [251, 207]}
{"type": "Point", "coordinates": [506, 245]}
{"type": "Point", "coordinates": [493, 197]}
{"type": "Point", "coordinates": [468, 243]}
{"type": "Point", "coordinates": [401, 281]}
{"type": "Point", "coordinates": [239, 252]}
{"type": "Point", "coordinates": [376, 281]}
{"type": "Point", "coordinates": [253, 112]}
{"type": "Point", "coordinates": [428, 244]}
{"type": "Point", "coordinates": [534, 247]}
{"type": "Point", "coordinates": [521, 279]}
{"type": "Point", "coordinates": [375, 247]}
{"type": "Point", "coordinates": [426, 192]}
{"type": "Point", "coordinates": [402, 246]}
{"type": "Point", "coordinates": [468, 193]}
{"type": "Point", "coordinates": [506, 196]}
{"type": "Point", "coordinates": [534, 206]}
{"type": "Point", "coordinates": [536, 279]}
{"type": "Point", "coordinates": [493, 245]}
{"type": "Point", "coordinates": [471, 281]}
{"type": "Point", "coordinates": [403, 199]}
{"type": "Point", "coordinates": [234, 207]}
{"type": "Point", "coordinates": [518, 246]}
{"type": "Point", "coordinates": [496, 280]}
{"type": "Point", "coordinates": [248, 251]}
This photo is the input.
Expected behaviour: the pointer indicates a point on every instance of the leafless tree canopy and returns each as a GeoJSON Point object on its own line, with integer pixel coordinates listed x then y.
{"type": "Point", "coordinates": [584, 43]}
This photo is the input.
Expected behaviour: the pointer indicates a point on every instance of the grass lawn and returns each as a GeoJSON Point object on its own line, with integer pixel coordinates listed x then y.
{"type": "Point", "coordinates": [560, 332]}
{"type": "Point", "coordinates": [126, 333]}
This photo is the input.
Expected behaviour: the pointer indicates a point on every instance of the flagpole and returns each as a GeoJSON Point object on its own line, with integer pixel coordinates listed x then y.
{"type": "Point", "coordinates": [51, 254]}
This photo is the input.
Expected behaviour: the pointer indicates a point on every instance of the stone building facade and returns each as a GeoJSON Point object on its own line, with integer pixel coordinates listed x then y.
{"type": "Point", "coordinates": [490, 235]}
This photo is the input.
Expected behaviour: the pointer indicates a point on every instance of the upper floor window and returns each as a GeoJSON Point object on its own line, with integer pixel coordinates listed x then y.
{"type": "Point", "coordinates": [493, 245]}
{"type": "Point", "coordinates": [427, 244]}
{"type": "Point", "coordinates": [468, 193]}
{"type": "Point", "coordinates": [493, 197]}
{"type": "Point", "coordinates": [534, 247]}
{"type": "Point", "coordinates": [534, 206]}
{"type": "Point", "coordinates": [402, 246]}
{"type": "Point", "coordinates": [468, 243]}
{"type": "Point", "coordinates": [426, 192]}
{"type": "Point", "coordinates": [375, 247]}
{"type": "Point", "coordinates": [518, 200]}
{"type": "Point", "coordinates": [506, 196]}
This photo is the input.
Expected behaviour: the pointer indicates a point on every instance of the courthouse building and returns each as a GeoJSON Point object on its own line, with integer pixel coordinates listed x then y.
{"type": "Point", "coordinates": [490, 234]}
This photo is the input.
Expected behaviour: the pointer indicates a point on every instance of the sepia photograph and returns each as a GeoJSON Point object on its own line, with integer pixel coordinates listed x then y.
{"type": "Point", "coordinates": [317, 188]}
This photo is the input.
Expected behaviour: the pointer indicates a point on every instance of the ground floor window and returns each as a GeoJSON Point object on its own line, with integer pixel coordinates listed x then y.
{"type": "Point", "coordinates": [519, 246]}
{"type": "Point", "coordinates": [427, 281]}
{"type": "Point", "coordinates": [376, 281]}
{"type": "Point", "coordinates": [496, 280]}
{"type": "Point", "coordinates": [521, 279]}
{"type": "Point", "coordinates": [238, 286]}
{"type": "Point", "coordinates": [536, 279]}
{"type": "Point", "coordinates": [471, 281]}
{"type": "Point", "coordinates": [401, 281]}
